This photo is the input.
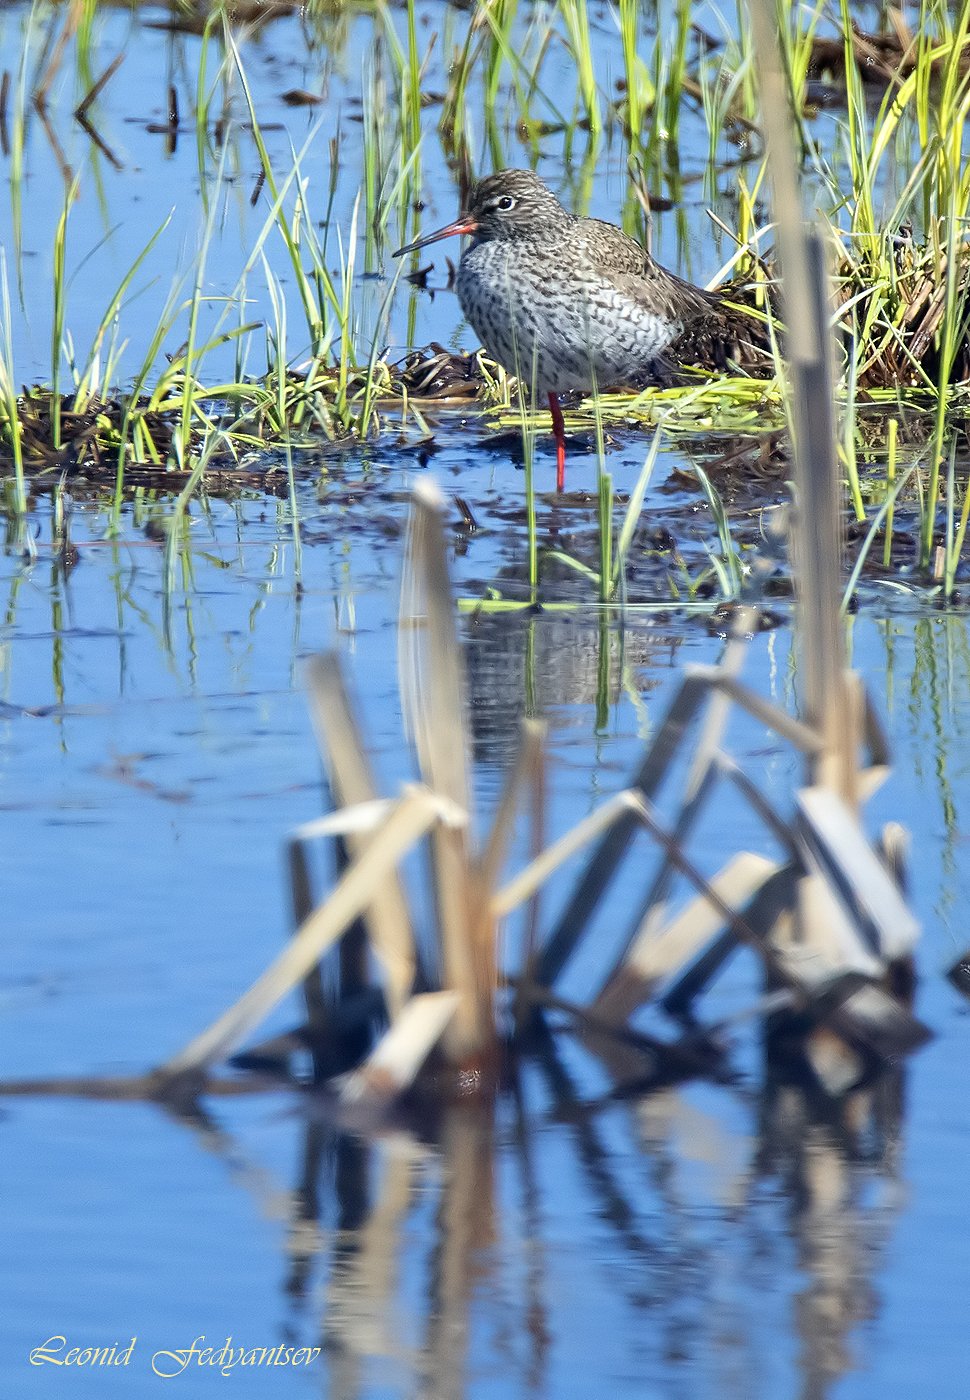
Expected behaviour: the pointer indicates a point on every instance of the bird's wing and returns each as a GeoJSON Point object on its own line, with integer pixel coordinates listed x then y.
{"type": "Point", "coordinates": [610, 250]}
{"type": "Point", "coordinates": [710, 333]}
{"type": "Point", "coordinates": [659, 291]}
{"type": "Point", "coordinates": [621, 261]}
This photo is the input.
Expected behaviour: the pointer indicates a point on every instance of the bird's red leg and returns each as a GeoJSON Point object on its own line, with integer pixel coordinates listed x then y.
{"type": "Point", "coordinates": [559, 433]}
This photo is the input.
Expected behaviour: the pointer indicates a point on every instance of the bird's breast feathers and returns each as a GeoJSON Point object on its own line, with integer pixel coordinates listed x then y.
{"type": "Point", "coordinates": [574, 329]}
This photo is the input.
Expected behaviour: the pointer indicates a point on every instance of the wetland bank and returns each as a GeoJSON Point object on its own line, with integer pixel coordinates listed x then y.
{"type": "Point", "coordinates": [174, 558]}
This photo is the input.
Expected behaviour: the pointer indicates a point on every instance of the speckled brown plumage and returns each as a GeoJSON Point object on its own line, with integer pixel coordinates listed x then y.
{"type": "Point", "coordinates": [566, 303]}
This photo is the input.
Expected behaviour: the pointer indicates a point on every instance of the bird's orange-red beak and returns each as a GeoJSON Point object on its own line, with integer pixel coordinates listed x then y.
{"type": "Point", "coordinates": [463, 224]}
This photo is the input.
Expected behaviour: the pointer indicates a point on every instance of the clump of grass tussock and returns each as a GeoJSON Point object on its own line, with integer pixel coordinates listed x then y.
{"type": "Point", "coordinates": [702, 404]}
{"type": "Point", "coordinates": [900, 197]}
{"type": "Point", "coordinates": [903, 254]}
{"type": "Point", "coordinates": [891, 189]}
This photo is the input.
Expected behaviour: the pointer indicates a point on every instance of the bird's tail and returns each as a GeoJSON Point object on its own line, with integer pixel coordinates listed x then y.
{"type": "Point", "coordinates": [726, 336]}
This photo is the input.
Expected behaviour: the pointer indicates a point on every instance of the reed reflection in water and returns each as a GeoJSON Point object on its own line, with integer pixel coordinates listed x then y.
{"type": "Point", "coordinates": [700, 1240]}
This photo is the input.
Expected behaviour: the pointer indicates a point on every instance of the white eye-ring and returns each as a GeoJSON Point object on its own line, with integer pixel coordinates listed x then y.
{"type": "Point", "coordinates": [506, 202]}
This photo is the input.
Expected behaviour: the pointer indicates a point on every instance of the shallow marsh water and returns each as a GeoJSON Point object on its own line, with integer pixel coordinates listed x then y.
{"type": "Point", "coordinates": [707, 1240]}
{"type": "Point", "coordinates": [711, 1240]}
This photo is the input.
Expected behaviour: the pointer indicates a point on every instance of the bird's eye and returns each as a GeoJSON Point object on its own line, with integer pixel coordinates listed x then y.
{"type": "Point", "coordinates": [506, 202]}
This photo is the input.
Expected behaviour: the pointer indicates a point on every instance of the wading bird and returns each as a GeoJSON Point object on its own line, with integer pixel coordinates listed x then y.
{"type": "Point", "coordinates": [567, 303]}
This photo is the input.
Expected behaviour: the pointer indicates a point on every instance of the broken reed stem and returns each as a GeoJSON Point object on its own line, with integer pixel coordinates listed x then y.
{"type": "Point", "coordinates": [538, 871]}
{"type": "Point", "coordinates": [521, 1009]}
{"type": "Point", "coordinates": [701, 778]}
{"type": "Point", "coordinates": [416, 812]}
{"type": "Point", "coordinates": [301, 897]}
{"type": "Point", "coordinates": [386, 918]}
{"type": "Point", "coordinates": [527, 761]}
{"type": "Point", "coordinates": [394, 1063]}
{"type": "Point", "coordinates": [525, 777]}
{"type": "Point", "coordinates": [665, 943]}
{"type": "Point", "coordinates": [434, 696]}
{"type": "Point", "coordinates": [605, 860]}
{"type": "Point", "coordinates": [684, 1056]}
{"type": "Point", "coordinates": [800, 736]}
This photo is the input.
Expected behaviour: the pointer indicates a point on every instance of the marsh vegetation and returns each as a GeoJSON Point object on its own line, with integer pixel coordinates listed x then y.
{"type": "Point", "coordinates": [251, 311]}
